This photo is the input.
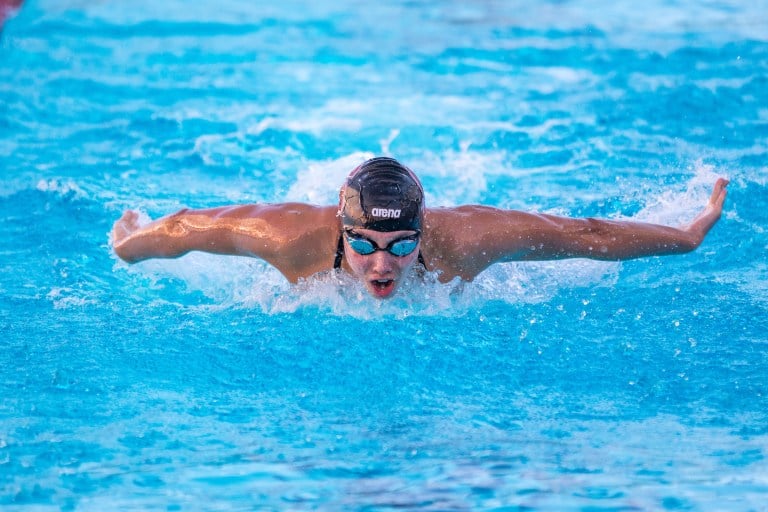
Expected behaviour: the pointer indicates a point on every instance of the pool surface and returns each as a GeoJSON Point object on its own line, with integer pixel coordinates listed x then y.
{"type": "Point", "coordinates": [210, 383]}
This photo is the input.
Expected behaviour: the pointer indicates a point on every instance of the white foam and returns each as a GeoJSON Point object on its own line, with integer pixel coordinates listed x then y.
{"type": "Point", "coordinates": [69, 298]}
{"type": "Point", "coordinates": [673, 207]}
{"type": "Point", "coordinates": [237, 282]}
{"type": "Point", "coordinates": [62, 188]}
{"type": "Point", "coordinates": [223, 279]}
{"type": "Point", "coordinates": [319, 182]}
{"type": "Point", "coordinates": [385, 143]}
{"type": "Point", "coordinates": [535, 282]}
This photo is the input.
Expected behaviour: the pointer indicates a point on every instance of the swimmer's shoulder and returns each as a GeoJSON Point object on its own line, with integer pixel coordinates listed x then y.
{"type": "Point", "coordinates": [460, 218]}
{"type": "Point", "coordinates": [444, 241]}
{"type": "Point", "coordinates": [461, 241]}
{"type": "Point", "coordinates": [293, 216]}
{"type": "Point", "coordinates": [298, 239]}
{"type": "Point", "coordinates": [310, 238]}
{"type": "Point", "coordinates": [264, 229]}
{"type": "Point", "coordinates": [300, 214]}
{"type": "Point", "coordinates": [296, 226]}
{"type": "Point", "coordinates": [476, 218]}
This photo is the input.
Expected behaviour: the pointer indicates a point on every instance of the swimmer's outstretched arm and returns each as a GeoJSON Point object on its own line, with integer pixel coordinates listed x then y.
{"type": "Point", "coordinates": [483, 236]}
{"type": "Point", "coordinates": [554, 237]}
{"type": "Point", "coordinates": [298, 239]}
{"type": "Point", "coordinates": [175, 235]}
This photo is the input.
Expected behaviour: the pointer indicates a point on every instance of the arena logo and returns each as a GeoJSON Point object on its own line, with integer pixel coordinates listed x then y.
{"type": "Point", "coordinates": [386, 213]}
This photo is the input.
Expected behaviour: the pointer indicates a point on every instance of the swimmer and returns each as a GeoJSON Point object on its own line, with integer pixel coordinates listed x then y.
{"type": "Point", "coordinates": [381, 228]}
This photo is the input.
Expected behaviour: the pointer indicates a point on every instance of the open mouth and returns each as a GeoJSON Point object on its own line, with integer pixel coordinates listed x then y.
{"type": "Point", "coordinates": [382, 287]}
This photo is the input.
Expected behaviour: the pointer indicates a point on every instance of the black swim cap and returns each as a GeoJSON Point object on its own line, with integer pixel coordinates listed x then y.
{"type": "Point", "coordinates": [382, 195]}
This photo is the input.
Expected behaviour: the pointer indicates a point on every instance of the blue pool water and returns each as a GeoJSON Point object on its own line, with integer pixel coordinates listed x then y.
{"type": "Point", "coordinates": [209, 383]}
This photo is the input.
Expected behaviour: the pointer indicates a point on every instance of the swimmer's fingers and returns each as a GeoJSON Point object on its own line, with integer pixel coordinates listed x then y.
{"type": "Point", "coordinates": [718, 193]}
{"type": "Point", "coordinates": [711, 213]}
{"type": "Point", "coordinates": [130, 217]}
{"type": "Point", "coordinates": [125, 225]}
{"type": "Point", "coordinates": [714, 207]}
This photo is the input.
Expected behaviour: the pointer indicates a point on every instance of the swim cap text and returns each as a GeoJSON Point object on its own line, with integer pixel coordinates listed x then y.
{"type": "Point", "coordinates": [386, 213]}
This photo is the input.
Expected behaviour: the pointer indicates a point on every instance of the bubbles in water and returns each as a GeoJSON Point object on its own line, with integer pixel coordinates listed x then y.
{"type": "Point", "coordinates": [62, 188]}
{"type": "Point", "coordinates": [672, 207]}
{"type": "Point", "coordinates": [320, 182]}
{"type": "Point", "coordinates": [238, 282]}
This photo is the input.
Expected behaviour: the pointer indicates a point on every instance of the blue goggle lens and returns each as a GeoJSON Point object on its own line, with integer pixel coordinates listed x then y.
{"type": "Point", "coordinates": [400, 247]}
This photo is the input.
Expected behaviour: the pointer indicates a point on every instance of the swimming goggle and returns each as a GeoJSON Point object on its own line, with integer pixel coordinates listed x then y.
{"type": "Point", "coordinates": [399, 247]}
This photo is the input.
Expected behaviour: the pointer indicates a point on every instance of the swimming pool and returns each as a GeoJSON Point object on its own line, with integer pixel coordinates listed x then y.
{"type": "Point", "coordinates": [210, 383]}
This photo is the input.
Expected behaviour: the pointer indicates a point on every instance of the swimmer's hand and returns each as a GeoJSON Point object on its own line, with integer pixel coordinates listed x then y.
{"type": "Point", "coordinates": [700, 226]}
{"type": "Point", "coordinates": [133, 242]}
{"type": "Point", "coordinates": [124, 226]}
{"type": "Point", "coordinates": [122, 230]}
{"type": "Point", "coordinates": [175, 235]}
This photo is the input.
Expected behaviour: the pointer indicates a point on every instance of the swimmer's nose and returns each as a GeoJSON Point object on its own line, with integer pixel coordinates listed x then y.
{"type": "Point", "coordinates": [382, 263]}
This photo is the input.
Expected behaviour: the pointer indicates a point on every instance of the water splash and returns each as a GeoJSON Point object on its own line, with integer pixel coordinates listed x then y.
{"type": "Point", "coordinates": [319, 182]}
{"type": "Point", "coordinates": [673, 207]}
{"type": "Point", "coordinates": [244, 282]}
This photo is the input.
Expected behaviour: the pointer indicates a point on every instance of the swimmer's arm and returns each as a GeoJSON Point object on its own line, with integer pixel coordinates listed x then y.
{"type": "Point", "coordinates": [234, 230]}
{"type": "Point", "coordinates": [547, 237]}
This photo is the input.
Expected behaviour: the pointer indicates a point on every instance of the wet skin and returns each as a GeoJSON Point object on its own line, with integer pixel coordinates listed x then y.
{"type": "Point", "coordinates": [380, 272]}
{"type": "Point", "coordinates": [300, 240]}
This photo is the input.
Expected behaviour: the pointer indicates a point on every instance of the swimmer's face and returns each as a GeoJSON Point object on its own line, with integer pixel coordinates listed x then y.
{"type": "Point", "coordinates": [380, 271]}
